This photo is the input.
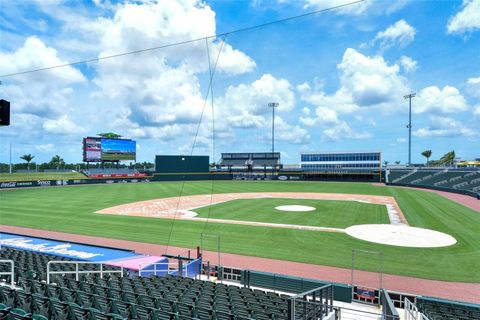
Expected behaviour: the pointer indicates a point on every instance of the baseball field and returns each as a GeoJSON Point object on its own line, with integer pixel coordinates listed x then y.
{"type": "Point", "coordinates": [75, 210]}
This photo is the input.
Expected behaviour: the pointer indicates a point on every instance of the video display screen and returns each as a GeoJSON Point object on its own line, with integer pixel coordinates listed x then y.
{"type": "Point", "coordinates": [103, 149]}
{"type": "Point", "coordinates": [116, 149]}
{"type": "Point", "coordinates": [92, 149]}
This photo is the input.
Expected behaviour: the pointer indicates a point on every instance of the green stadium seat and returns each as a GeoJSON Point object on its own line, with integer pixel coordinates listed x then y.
{"type": "Point", "coordinates": [18, 313]}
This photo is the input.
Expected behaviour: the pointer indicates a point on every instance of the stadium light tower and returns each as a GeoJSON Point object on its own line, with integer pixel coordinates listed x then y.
{"type": "Point", "coordinates": [409, 125]}
{"type": "Point", "coordinates": [273, 105]}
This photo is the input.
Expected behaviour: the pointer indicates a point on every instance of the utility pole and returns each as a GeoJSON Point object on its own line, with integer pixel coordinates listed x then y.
{"type": "Point", "coordinates": [409, 126]}
{"type": "Point", "coordinates": [273, 105]}
{"type": "Point", "coordinates": [10, 163]}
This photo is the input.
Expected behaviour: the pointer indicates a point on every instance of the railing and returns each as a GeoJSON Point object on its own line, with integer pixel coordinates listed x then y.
{"type": "Point", "coordinates": [10, 273]}
{"type": "Point", "coordinates": [159, 269]}
{"type": "Point", "coordinates": [314, 304]}
{"type": "Point", "coordinates": [77, 272]}
{"type": "Point", "coordinates": [411, 311]}
{"type": "Point", "coordinates": [388, 309]}
{"type": "Point", "coordinates": [191, 269]}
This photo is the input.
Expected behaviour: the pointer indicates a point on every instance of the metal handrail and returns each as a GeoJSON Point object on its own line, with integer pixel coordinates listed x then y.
{"type": "Point", "coordinates": [77, 272]}
{"type": "Point", "coordinates": [154, 270]}
{"type": "Point", "coordinates": [412, 312]}
{"type": "Point", "coordinates": [12, 271]}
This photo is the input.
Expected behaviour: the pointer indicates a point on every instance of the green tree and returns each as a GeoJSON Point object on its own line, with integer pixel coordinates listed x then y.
{"type": "Point", "coordinates": [397, 162]}
{"type": "Point", "coordinates": [385, 163]}
{"type": "Point", "coordinates": [448, 158]}
{"type": "Point", "coordinates": [427, 154]}
{"type": "Point", "coordinates": [109, 135]}
{"type": "Point", "coordinates": [57, 161]}
{"type": "Point", "coordinates": [28, 158]}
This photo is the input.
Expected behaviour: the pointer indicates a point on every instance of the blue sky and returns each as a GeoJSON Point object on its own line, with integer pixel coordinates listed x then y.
{"type": "Point", "coordinates": [339, 77]}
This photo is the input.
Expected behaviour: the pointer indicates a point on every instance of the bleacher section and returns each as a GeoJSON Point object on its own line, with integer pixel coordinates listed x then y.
{"type": "Point", "coordinates": [456, 180]}
{"type": "Point", "coordinates": [113, 173]}
{"type": "Point", "coordinates": [111, 296]}
{"type": "Point", "coordinates": [250, 160]}
{"type": "Point", "coordinates": [438, 309]}
{"type": "Point", "coordinates": [114, 297]}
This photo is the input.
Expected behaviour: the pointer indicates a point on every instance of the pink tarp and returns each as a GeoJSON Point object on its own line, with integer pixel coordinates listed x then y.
{"type": "Point", "coordinates": [134, 264]}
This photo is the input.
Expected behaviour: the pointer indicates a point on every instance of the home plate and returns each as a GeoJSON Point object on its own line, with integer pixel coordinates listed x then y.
{"type": "Point", "coordinates": [401, 235]}
{"type": "Point", "coordinates": [295, 208]}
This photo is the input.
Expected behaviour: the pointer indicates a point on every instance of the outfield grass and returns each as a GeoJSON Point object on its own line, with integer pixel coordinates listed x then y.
{"type": "Point", "coordinates": [328, 213]}
{"type": "Point", "coordinates": [29, 176]}
{"type": "Point", "coordinates": [71, 209]}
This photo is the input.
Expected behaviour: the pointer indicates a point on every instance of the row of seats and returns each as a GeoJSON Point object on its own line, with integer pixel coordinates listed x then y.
{"type": "Point", "coordinates": [110, 171]}
{"type": "Point", "coordinates": [33, 265]}
{"type": "Point", "coordinates": [445, 178]}
{"type": "Point", "coordinates": [440, 310]}
{"type": "Point", "coordinates": [115, 297]}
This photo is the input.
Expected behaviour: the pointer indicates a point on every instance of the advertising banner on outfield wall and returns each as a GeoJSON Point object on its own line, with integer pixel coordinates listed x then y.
{"type": "Point", "coordinates": [50, 183]}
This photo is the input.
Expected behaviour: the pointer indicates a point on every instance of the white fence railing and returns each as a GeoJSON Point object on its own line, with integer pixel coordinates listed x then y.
{"type": "Point", "coordinates": [160, 268]}
{"type": "Point", "coordinates": [412, 312]}
{"type": "Point", "coordinates": [78, 272]}
{"type": "Point", "coordinates": [10, 273]}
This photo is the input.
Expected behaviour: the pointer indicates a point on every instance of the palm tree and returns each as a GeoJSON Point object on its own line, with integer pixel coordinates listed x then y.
{"type": "Point", "coordinates": [427, 154]}
{"type": "Point", "coordinates": [448, 158]}
{"type": "Point", "coordinates": [28, 158]}
{"type": "Point", "coordinates": [57, 161]}
{"type": "Point", "coordinates": [385, 163]}
{"type": "Point", "coordinates": [397, 162]}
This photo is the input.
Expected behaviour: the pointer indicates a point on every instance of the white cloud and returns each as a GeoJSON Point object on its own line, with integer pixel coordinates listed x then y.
{"type": "Point", "coordinates": [433, 99]}
{"type": "Point", "coordinates": [34, 54]}
{"type": "Point", "coordinates": [466, 20]}
{"type": "Point", "coordinates": [400, 33]}
{"type": "Point", "coordinates": [323, 116]}
{"type": "Point", "coordinates": [476, 111]}
{"type": "Point", "coordinates": [333, 128]}
{"type": "Point", "coordinates": [290, 133]}
{"type": "Point", "coordinates": [473, 86]}
{"type": "Point", "coordinates": [253, 98]}
{"type": "Point", "coordinates": [370, 80]}
{"type": "Point", "coordinates": [444, 127]}
{"type": "Point", "coordinates": [354, 9]}
{"type": "Point", "coordinates": [45, 148]}
{"type": "Point", "coordinates": [342, 131]}
{"type": "Point", "coordinates": [42, 93]}
{"type": "Point", "coordinates": [401, 140]}
{"type": "Point", "coordinates": [62, 125]}
{"type": "Point", "coordinates": [365, 83]}
{"type": "Point", "coordinates": [162, 89]}
{"type": "Point", "coordinates": [408, 64]}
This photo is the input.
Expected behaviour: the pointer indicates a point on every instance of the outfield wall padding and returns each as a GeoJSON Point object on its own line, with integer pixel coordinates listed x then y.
{"type": "Point", "coordinates": [196, 176]}
{"type": "Point", "coordinates": [341, 292]}
{"type": "Point", "coordinates": [51, 183]}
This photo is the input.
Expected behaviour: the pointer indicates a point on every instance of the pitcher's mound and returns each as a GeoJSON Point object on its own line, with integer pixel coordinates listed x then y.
{"type": "Point", "coordinates": [401, 235]}
{"type": "Point", "coordinates": [295, 208]}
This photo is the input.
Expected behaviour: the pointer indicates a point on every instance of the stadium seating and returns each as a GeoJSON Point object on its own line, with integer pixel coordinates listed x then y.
{"type": "Point", "coordinates": [114, 297]}
{"type": "Point", "coordinates": [457, 180]}
{"type": "Point", "coordinates": [110, 296]}
{"type": "Point", "coordinates": [254, 160]}
{"type": "Point", "coordinates": [110, 171]}
{"type": "Point", "coordinates": [438, 309]}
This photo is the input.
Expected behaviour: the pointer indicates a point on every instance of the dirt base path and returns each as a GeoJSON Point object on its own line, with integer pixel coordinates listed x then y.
{"type": "Point", "coordinates": [469, 292]}
{"type": "Point", "coordinates": [180, 207]}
